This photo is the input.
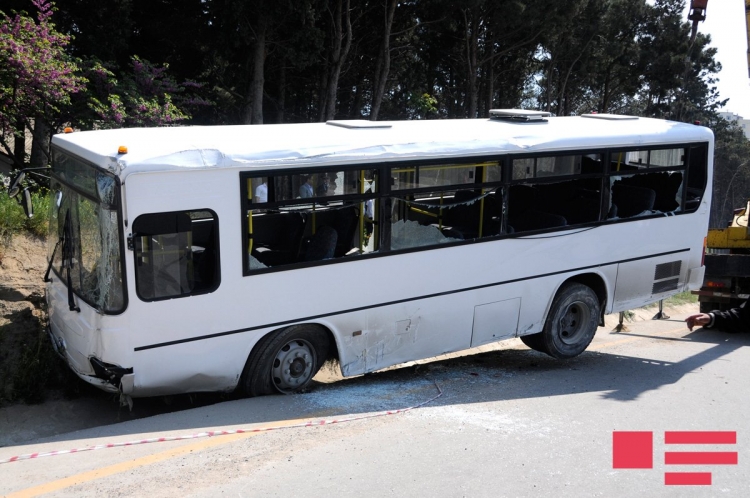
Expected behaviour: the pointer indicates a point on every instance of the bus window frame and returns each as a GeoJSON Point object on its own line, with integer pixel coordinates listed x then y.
{"type": "Point", "coordinates": [120, 223]}
{"type": "Point", "coordinates": [384, 195]}
{"type": "Point", "coordinates": [217, 250]}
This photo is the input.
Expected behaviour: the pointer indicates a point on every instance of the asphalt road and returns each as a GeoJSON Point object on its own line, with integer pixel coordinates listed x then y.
{"type": "Point", "coordinates": [511, 422]}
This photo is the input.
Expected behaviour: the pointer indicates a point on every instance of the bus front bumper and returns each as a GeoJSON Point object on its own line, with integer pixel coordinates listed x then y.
{"type": "Point", "coordinates": [108, 377]}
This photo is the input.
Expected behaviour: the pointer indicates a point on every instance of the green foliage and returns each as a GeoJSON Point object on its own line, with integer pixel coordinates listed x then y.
{"type": "Point", "coordinates": [731, 187]}
{"type": "Point", "coordinates": [677, 300]}
{"type": "Point", "coordinates": [37, 74]}
{"type": "Point", "coordinates": [422, 106]}
{"type": "Point", "coordinates": [39, 223]}
{"type": "Point", "coordinates": [144, 95]}
{"type": "Point", "coordinates": [36, 370]}
{"type": "Point", "coordinates": [33, 370]}
{"type": "Point", "coordinates": [13, 219]}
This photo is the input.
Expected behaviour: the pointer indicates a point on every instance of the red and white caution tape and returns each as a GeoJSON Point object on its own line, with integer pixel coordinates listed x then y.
{"type": "Point", "coordinates": [312, 423]}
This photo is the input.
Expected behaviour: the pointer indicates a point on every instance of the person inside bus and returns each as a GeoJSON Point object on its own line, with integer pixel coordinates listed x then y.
{"type": "Point", "coordinates": [306, 189]}
{"type": "Point", "coordinates": [324, 185]}
{"type": "Point", "coordinates": [734, 320]}
{"type": "Point", "coordinates": [261, 192]}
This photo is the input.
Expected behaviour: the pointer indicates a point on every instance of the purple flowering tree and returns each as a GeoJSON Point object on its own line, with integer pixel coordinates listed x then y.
{"type": "Point", "coordinates": [146, 95]}
{"type": "Point", "coordinates": [37, 76]}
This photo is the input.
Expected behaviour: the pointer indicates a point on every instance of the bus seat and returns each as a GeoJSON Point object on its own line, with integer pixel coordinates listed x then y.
{"type": "Point", "coordinates": [631, 200]}
{"type": "Point", "coordinates": [537, 220]}
{"type": "Point", "coordinates": [346, 222]}
{"type": "Point", "coordinates": [322, 245]}
{"type": "Point", "coordinates": [280, 234]}
{"type": "Point", "coordinates": [581, 209]}
{"type": "Point", "coordinates": [465, 218]}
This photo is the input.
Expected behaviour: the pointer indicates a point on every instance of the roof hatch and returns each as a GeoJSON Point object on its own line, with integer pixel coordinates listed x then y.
{"type": "Point", "coordinates": [518, 115]}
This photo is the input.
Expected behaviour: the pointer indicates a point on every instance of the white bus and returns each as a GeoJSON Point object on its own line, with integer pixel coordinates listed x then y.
{"type": "Point", "coordinates": [215, 258]}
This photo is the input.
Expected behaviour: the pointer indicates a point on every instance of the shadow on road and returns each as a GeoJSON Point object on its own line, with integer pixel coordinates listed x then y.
{"type": "Point", "coordinates": [509, 374]}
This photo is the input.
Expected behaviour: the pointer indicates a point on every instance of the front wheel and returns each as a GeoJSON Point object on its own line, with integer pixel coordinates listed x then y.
{"type": "Point", "coordinates": [572, 321]}
{"type": "Point", "coordinates": [285, 361]}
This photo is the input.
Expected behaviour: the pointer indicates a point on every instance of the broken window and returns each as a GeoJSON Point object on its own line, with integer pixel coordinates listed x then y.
{"type": "Point", "coordinates": [646, 182]}
{"type": "Point", "coordinates": [176, 254]}
{"type": "Point", "coordinates": [696, 178]}
{"type": "Point", "coordinates": [310, 216]}
{"type": "Point", "coordinates": [88, 199]}
{"type": "Point", "coordinates": [554, 191]}
{"type": "Point", "coordinates": [436, 211]}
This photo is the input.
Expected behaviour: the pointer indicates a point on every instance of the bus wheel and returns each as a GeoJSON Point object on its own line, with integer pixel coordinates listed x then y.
{"type": "Point", "coordinates": [572, 321]}
{"type": "Point", "coordinates": [286, 361]}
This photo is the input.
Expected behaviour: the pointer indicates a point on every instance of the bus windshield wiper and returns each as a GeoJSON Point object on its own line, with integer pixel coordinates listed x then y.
{"type": "Point", "coordinates": [67, 255]}
{"type": "Point", "coordinates": [52, 259]}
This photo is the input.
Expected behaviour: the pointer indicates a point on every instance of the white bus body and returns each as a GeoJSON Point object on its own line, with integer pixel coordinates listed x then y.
{"type": "Point", "coordinates": [455, 233]}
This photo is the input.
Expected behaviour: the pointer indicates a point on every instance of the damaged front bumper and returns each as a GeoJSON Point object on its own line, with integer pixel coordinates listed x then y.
{"type": "Point", "coordinates": [108, 377]}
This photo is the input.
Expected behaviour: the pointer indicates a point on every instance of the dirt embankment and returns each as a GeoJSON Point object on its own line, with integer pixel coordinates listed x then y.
{"type": "Point", "coordinates": [22, 311]}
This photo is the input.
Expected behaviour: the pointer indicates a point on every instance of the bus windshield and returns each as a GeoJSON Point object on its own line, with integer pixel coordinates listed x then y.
{"type": "Point", "coordinates": [87, 246]}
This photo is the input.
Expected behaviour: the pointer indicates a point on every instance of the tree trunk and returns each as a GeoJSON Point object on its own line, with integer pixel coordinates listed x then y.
{"type": "Point", "coordinates": [19, 145]}
{"type": "Point", "coordinates": [282, 93]}
{"type": "Point", "coordinates": [471, 39]}
{"type": "Point", "coordinates": [40, 145]}
{"type": "Point", "coordinates": [338, 56]}
{"type": "Point", "coordinates": [490, 85]}
{"type": "Point", "coordinates": [254, 108]}
{"type": "Point", "coordinates": [384, 62]}
{"type": "Point", "coordinates": [322, 93]}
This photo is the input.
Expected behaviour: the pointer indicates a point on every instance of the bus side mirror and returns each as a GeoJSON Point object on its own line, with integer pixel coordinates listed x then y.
{"type": "Point", "coordinates": [15, 185]}
{"type": "Point", "coordinates": [25, 201]}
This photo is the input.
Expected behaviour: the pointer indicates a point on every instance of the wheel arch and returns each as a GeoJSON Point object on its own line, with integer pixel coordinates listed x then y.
{"type": "Point", "coordinates": [333, 350]}
{"type": "Point", "coordinates": [255, 352]}
{"type": "Point", "coordinates": [592, 280]}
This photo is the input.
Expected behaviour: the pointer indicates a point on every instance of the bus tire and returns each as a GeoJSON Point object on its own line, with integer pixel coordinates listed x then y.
{"type": "Point", "coordinates": [572, 321]}
{"type": "Point", "coordinates": [285, 361]}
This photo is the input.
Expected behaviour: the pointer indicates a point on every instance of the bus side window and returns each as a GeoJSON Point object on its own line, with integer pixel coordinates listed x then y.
{"type": "Point", "coordinates": [312, 216]}
{"type": "Point", "coordinates": [555, 191]}
{"type": "Point", "coordinates": [176, 254]}
{"type": "Point", "coordinates": [434, 204]}
{"type": "Point", "coordinates": [654, 184]}
{"type": "Point", "coordinates": [696, 181]}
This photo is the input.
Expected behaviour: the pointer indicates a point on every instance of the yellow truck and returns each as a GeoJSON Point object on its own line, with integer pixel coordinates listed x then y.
{"type": "Point", "coordinates": [727, 279]}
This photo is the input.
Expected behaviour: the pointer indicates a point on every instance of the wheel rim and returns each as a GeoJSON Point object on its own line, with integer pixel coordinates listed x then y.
{"type": "Point", "coordinates": [293, 365]}
{"type": "Point", "coordinates": [573, 322]}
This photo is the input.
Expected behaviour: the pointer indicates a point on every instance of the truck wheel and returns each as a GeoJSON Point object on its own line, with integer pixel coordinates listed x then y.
{"type": "Point", "coordinates": [572, 321]}
{"type": "Point", "coordinates": [285, 361]}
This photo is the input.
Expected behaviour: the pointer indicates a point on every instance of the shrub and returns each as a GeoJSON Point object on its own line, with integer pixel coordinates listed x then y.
{"type": "Point", "coordinates": [12, 218]}
{"type": "Point", "coordinates": [39, 223]}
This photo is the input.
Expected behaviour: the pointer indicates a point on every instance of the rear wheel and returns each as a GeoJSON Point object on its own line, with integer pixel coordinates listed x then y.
{"type": "Point", "coordinates": [285, 361]}
{"type": "Point", "coordinates": [572, 321]}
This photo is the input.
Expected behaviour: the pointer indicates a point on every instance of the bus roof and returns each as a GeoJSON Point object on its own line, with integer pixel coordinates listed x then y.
{"type": "Point", "coordinates": [321, 144]}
